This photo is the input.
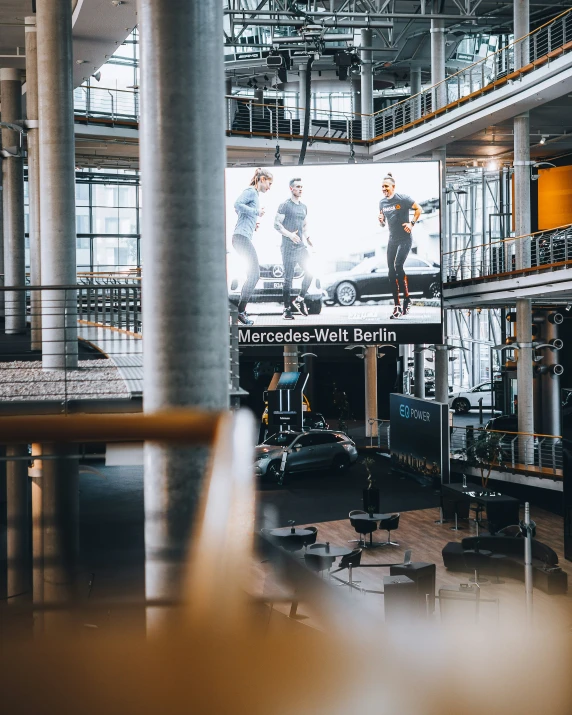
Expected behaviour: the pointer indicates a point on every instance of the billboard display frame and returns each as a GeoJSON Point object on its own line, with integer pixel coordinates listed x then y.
{"type": "Point", "coordinates": [364, 326]}
{"type": "Point", "coordinates": [413, 422]}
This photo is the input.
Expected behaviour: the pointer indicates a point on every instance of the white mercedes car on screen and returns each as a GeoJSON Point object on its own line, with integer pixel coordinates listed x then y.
{"type": "Point", "coordinates": [269, 286]}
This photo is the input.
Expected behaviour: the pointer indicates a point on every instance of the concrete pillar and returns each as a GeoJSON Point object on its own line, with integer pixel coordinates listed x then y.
{"type": "Point", "coordinates": [301, 93]}
{"type": "Point", "coordinates": [366, 85]}
{"type": "Point", "coordinates": [415, 82]}
{"type": "Point", "coordinates": [524, 378]}
{"type": "Point", "coordinates": [550, 381]}
{"type": "Point", "coordinates": [57, 183]}
{"type": "Point", "coordinates": [290, 354]}
{"type": "Point", "coordinates": [521, 208]}
{"type": "Point", "coordinates": [438, 74]}
{"type": "Point", "coordinates": [185, 304]}
{"type": "Point", "coordinates": [419, 370]}
{"type": "Point", "coordinates": [13, 200]}
{"type": "Point", "coordinates": [60, 507]}
{"type": "Point", "coordinates": [33, 180]}
{"type": "Point", "coordinates": [441, 374]}
{"type": "Point", "coordinates": [370, 367]}
{"type": "Point", "coordinates": [521, 16]}
{"type": "Point", "coordinates": [17, 517]}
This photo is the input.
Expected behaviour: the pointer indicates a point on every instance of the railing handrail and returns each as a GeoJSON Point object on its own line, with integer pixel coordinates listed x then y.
{"type": "Point", "coordinates": [272, 106]}
{"type": "Point", "coordinates": [108, 89]}
{"type": "Point", "coordinates": [506, 240]}
{"type": "Point", "coordinates": [469, 67]}
{"type": "Point", "coordinates": [525, 434]}
{"type": "Point", "coordinates": [187, 426]}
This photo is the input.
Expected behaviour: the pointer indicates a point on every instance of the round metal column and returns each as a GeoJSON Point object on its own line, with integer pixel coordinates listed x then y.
{"type": "Point", "coordinates": [370, 366]}
{"type": "Point", "coordinates": [57, 182]}
{"type": "Point", "coordinates": [185, 304]}
{"type": "Point", "coordinates": [419, 370]}
{"type": "Point", "coordinates": [366, 85]}
{"type": "Point", "coordinates": [13, 201]}
{"type": "Point", "coordinates": [33, 180]}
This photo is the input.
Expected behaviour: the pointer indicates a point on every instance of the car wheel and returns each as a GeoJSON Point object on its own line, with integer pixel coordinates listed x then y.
{"type": "Point", "coordinates": [314, 307]}
{"type": "Point", "coordinates": [341, 462]}
{"type": "Point", "coordinates": [434, 290]}
{"type": "Point", "coordinates": [461, 406]}
{"type": "Point", "coordinates": [274, 473]}
{"type": "Point", "coordinates": [346, 293]}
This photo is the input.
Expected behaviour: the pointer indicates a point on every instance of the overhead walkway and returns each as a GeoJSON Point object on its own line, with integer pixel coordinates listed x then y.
{"type": "Point", "coordinates": [485, 93]}
{"type": "Point", "coordinates": [486, 274]}
{"type": "Point", "coordinates": [489, 91]}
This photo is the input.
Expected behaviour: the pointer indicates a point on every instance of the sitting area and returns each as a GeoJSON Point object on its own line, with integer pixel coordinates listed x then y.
{"type": "Point", "coordinates": [548, 577]}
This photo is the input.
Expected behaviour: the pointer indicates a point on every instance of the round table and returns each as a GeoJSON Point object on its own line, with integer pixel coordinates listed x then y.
{"type": "Point", "coordinates": [333, 550]}
{"type": "Point", "coordinates": [289, 531]}
{"type": "Point", "coordinates": [372, 517]}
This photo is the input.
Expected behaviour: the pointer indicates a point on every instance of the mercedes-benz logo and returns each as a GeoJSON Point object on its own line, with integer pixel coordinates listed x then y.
{"type": "Point", "coordinates": [277, 271]}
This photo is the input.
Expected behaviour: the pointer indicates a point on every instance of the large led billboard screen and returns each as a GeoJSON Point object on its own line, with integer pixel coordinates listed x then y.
{"type": "Point", "coordinates": [330, 254]}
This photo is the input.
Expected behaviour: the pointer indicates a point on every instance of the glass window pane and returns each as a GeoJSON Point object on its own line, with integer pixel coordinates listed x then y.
{"type": "Point", "coordinates": [127, 221]}
{"type": "Point", "coordinates": [83, 257]}
{"type": "Point", "coordinates": [128, 196]}
{"type": "Point", "coordinates": [105, 220]}
{"type": "Point", "coordinates": [127, 252]}
{"type": "Point", "coordinates": [105, 252]}
{"type": "Point", "coordinates": [82, 194]}
{"type": "Point", "coordinates": [82, 219]}
{"type": "Point", "coordinates": [105, 194]}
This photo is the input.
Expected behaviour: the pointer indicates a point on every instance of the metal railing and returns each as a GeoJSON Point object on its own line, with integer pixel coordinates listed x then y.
{"type": "Point", "coordinates": [106, 103]}
{"type": "Point", "coordinates": [531, 51]}
{"type": "Point", "coordinates": [542, 453]}
{"type": "Point", "coordinates": [545, 248]}
{"type": "Point", "coordinates": [245, 116]}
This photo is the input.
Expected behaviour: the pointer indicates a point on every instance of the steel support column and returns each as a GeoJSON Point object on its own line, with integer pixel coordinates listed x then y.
{"type": "Point", "coordinates": [550, 381]}
{"type": "Point", "coordinates": [366, 85]}
{"type": "Point", "coordinates": [522, 214]}
{"type": "Point", "coordinates": [185, 305]}
{"type": "Point", "coordinates": [419, 370]}
{"type": "Point", "coordinates": [524, 378]}
{"type": "Point", "coordinates": [441, 373]}
{"type": "Point", "coordinates": [301, 94]}
{"type": "Point", "coordinates": [33, 181]}
{"type": "Point", "coordinates": [438, 73]}
{"type": "Point", "coordinates": [370, 368]}
{"type": "Point", "coordinates": [415, 81]}
{"type": "Point", "coordinates": [57, 182]}
{"type": "Point", "coordinates": [290, 358]}
{"type": "Point", "coordinates": [13, 201]}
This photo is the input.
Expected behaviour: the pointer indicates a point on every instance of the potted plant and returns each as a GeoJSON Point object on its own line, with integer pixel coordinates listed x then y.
{"type": "Point", "coordinates": [485, 452]}
{"type": "Point", "coordinates": [371, 493]}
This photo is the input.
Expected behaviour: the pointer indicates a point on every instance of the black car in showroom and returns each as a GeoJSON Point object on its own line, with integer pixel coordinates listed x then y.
{"type": "Point", "coordinates": [369, 280]}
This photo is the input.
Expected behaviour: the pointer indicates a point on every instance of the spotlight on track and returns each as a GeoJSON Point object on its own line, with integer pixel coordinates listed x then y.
{"type": "Point", "coordinates": [543, 139]}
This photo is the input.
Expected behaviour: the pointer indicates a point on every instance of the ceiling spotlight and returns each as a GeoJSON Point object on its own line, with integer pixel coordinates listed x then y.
{"type": "Point", "coordinates": [81, 62]}
{"type": "Point", "coordinates": [117, 3]}
{"type": "Point", "coordinates": [543, 139]}
{"type": "Point", "coordinates": [568, 307]}
{"type": "Point", "coordinates": [96, 76]}
{"type": "Point", "coordinates": [266, 78]}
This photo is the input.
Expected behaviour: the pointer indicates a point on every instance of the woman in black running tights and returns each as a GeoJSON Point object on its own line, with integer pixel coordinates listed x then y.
{"type": "Point", "coordinates": [247, 206]}
{"type": "Point", "coordinates": [394, 210]}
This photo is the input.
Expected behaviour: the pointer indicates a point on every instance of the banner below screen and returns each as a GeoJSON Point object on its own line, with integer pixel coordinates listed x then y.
{"type": "Point", "coordinates": [335, 254]}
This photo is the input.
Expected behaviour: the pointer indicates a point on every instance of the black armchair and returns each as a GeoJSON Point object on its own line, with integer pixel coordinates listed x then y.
{"type": "Point", "coordinates": [311, 538]}
{"type": "Point", "coordinates": [390, 524]}
{"type": "Point", "coordinates": [363, 526]}
{"type": "Point", "coordinates": [350, 562]}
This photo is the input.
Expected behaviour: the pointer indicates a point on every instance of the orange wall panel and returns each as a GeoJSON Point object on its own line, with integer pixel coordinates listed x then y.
{"type": "Point", "coordinates": [554, 197]}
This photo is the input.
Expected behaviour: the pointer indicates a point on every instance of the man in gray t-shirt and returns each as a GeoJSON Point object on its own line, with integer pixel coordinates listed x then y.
{"type": "Point", "coordinates": [291, 222]}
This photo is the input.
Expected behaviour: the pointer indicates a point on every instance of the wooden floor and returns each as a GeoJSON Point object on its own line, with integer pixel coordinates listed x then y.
{"type": "Point", "coordinates": [419, 532]}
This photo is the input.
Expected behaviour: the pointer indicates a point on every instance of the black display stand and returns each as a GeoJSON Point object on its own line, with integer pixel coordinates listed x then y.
{"type": "Point", "coordinates": [371, 500]}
